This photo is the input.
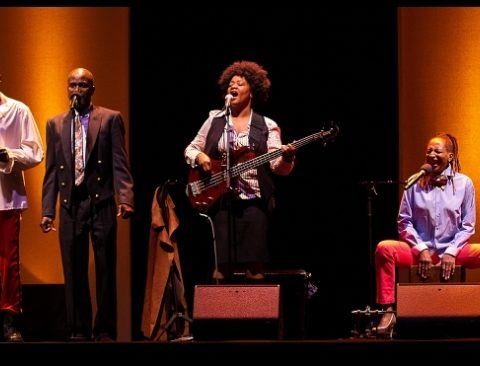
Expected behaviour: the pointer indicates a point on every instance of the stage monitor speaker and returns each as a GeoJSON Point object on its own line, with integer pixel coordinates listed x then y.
{"type": "Point", "coordinates": [236, 312]}
{"type": "Point", "coordinates": [437, 310]}
{"type": "Point", "coordinates": [433, 301]}
{"type": "Point", "coordinates": [294, 284]}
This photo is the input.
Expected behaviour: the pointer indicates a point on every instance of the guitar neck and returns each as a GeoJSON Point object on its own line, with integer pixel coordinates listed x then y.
{"type": "Point", "coordinates": [265, 158]}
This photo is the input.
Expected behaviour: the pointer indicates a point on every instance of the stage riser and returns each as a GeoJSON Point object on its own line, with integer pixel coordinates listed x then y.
{"type": "Point", "coordinates": [44, 315]}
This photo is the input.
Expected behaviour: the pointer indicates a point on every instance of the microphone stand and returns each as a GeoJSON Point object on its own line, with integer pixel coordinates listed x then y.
{"type": "Point", "coordinates": [74, 212]}
{"type": "Point", "coordinates": [228, 180]}
{"type": "Point", "coordinates": [367, 329]}
{"type": "Point", "coordinates": [371, 191]}
{"type": "Point", "coordinates": [214, 241]}
{"type": "Point", "coordinates": [228, 177]}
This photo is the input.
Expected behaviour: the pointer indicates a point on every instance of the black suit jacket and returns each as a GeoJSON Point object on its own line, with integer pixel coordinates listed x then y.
{"type": "Point", "coordinates": [107, 172]}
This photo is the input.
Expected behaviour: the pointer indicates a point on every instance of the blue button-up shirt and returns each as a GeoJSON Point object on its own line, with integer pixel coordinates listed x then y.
{"type": "Point", "coordinates": [441, 219]}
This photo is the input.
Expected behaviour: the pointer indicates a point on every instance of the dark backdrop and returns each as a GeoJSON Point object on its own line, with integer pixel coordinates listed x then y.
{"type": "Point", "coordinates": [326, 64]}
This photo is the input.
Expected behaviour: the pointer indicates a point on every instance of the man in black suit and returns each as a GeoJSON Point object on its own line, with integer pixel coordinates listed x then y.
{"type": "Point", "coordinates": [87, 169]}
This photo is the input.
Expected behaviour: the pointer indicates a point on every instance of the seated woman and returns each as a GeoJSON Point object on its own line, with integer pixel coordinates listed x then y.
{"type": "Point", "coordinates": [436, 220]}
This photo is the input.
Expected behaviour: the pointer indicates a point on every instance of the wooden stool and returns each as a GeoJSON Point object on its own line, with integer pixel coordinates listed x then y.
{"type": "Point", "coordinates": [410, 275]}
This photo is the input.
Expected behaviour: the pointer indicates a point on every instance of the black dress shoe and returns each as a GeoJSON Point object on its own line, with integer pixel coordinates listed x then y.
{"type": "Point", "coordinates": [13, 336]}
{"type": "Point", "coordinates": [79, 337]}
{"type": "Point", "coordinates": [104, 337]}
{"type": "Point", "coordinates": [10, 332]}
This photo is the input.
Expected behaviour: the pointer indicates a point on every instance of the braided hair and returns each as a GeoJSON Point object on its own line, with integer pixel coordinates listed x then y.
{"type": "Point", "coordinates": [452, 147]}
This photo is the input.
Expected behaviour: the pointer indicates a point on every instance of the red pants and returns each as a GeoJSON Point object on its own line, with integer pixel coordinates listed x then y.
{"type": "Point", "coordinates": [393, 253]}
{"type": "Point", "coordinates": [10, 290]}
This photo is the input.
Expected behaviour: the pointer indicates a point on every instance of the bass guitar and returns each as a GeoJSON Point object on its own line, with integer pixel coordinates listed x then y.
{"type": "Point", "coordinates": [204, 189]}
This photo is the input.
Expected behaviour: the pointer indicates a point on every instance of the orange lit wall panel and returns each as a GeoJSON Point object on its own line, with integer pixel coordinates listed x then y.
{"type": "Point", "coordinates": [439, 84]}
{"type": "Point", "coordinates": [42, 45]}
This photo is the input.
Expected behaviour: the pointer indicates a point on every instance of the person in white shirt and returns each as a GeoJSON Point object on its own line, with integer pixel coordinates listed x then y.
{"type": "Point", "coordinates": [21, 148]}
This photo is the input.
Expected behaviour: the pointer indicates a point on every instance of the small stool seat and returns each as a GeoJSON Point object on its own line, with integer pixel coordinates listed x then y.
{"type": "Point", "coordinates": [410, 275]}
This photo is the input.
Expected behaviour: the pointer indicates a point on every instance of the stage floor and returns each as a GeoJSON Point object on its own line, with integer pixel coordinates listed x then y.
{"type": "Point", "coordinates": [251, 351]}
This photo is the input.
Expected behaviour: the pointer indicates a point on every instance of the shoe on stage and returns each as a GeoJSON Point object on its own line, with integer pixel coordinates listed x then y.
{"type": "Point", "coordinates": [385, 327]}
{"type": "Point", "coordinates": [10, 331]}
{"type": "Point", "coordinates": [79, 337]}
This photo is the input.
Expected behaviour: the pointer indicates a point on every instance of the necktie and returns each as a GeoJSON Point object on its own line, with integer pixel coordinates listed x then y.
{"type": "Point", "coordinates": [78, 151]}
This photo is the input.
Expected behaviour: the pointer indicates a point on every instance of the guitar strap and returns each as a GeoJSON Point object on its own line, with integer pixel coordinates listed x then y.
{"type": "Point", "coordinates": [258, 140]}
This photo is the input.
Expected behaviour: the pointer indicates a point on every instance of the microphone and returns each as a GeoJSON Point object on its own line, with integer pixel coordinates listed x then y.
{"type": "Point", "coordinates": [228, 99]}
{"type": "Point", "coordinates": [425, 169]}
{"type": "Point", "coordinates": [73, 102]}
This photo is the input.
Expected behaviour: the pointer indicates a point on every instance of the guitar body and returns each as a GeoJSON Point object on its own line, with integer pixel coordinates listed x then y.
{"type": "Point", "coordinates": [205, 188]}
{"type": "Point", "coordinates": [203, 200]}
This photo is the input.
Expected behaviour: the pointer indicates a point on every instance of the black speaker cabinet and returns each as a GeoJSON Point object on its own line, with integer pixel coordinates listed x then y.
{"type": "Point", "coordinates": [223, 312]}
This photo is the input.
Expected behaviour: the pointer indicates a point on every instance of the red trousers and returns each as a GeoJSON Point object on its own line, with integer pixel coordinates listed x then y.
{"type": "Point", "coordinates": [10, 290]}
{"type": "Point", "coordinates": [394, 253]}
